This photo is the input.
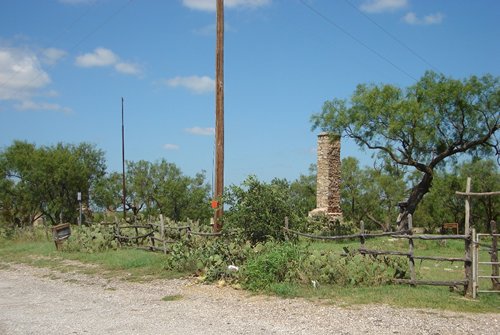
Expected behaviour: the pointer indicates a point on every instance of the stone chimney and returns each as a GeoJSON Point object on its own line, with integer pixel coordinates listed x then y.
{"type": "Point", "coordinates": [328, 177]}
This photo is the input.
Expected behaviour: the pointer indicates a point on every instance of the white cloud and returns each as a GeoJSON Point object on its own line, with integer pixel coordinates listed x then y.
{"type": "Point", "coordinates": [195, 84]}
{"type": "Point", "coordinates": [42, 106]}
{"type": "Point", "coordinates": [100, 57]}
{"type": "Point", "coordinates": [380, 6]}
{"type": "Point", "coordinates": [170, 146]}
{"type": "Point", "coordinates": [200, 131]}
{"type": "Point", "coordinates": [210, 5]}
{"type": "Point", "coordinates": [128, 68]}
{"type": "Point", "coordinates": [412, 18]}
{"type": "Point", "coordinates": [52, 55]}
{"type": "Point", "coordinates": [20, 74]}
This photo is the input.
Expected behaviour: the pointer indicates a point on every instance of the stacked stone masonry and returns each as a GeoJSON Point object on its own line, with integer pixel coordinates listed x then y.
{"type": "Point", "coordinates": [328, 176]}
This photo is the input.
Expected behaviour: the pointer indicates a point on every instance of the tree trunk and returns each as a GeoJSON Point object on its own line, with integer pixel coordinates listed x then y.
{"type": "Point", "coordinates": [416, 195]}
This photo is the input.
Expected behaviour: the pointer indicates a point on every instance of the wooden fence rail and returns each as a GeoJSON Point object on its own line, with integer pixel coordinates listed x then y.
{"type": "Point", "coordinates": [407, 234]}
{"type": "Point", "coordinates": [156, 234]}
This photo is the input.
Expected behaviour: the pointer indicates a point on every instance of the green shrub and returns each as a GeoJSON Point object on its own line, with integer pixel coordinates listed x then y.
{"type": "Point", "coordinates": [353, 269]}
{"type": "Point", "coordinates": [90, 239]}
{"type": "Point", "coordinates": [209, 258]}
{"type": "Point", "coordinates": [322, 225]}
{"type": "Point", "coordinates": [28, 234]}
{"type": "Point", "coordinates": [259, 209]}
{"type": "Point", "coordinates": [274, 263]}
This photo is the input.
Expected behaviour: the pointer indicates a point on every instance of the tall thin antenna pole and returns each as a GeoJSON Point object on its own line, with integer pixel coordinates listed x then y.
{"type": "Point", "coordinates": [219, 116]}
{"type": "Point", "coordinates": [123, 167]}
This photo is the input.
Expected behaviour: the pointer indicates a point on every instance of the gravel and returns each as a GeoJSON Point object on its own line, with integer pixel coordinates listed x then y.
{"type": "Point", "coordinates": [45, 301]}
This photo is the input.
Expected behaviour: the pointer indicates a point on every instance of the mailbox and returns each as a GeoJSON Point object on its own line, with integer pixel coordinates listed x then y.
{"type": "Point", "coordinates": [60, 233]}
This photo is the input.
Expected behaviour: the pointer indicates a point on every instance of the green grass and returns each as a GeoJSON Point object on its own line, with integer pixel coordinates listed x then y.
{"type": "Point", "coordinates": [138, 265]}
{"type": "Point", "coordinates": [130, 264]}
{"type": "Point", "coordinates": [406, 296]}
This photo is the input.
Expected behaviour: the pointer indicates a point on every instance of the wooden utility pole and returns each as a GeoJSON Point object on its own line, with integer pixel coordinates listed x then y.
{"type": "Point", "coordinates": [219, 116]}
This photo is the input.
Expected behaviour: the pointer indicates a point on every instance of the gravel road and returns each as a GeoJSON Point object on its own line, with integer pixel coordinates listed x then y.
{"type": "Point", "coordinates": [44, 301]}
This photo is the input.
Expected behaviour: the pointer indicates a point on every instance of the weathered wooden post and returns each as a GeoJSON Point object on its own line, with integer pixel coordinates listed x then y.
{"type": "Point", "coordinates": [162, 233]}
{"type": "Point", "coordinates": [117, 229]}
{"type": "Point", "coordinates": [362, 235]}
{"type": "Point", "coordinates": [411, 247]}
{"type": "Point", "coordinates": [468, 243]}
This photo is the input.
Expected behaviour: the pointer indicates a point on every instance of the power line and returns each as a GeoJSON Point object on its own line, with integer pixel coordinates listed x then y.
{"type": "Point", "coordinates": [404, 45]}
{"type": "Point", "coordinates": [366, 46]}
{"type": "Point", "coordinates": [109, 18]}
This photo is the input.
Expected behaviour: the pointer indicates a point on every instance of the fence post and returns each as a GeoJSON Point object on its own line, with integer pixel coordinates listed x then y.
{"type": "Point", "coordinates": [467, 208]}
{"type": "Point", "coordinates": [468, 265]}
{"type": "Point", "coordinates": [468, 244]}
{"type": "Point", "coordinates": [495, 281]}
{"type": "Point", "coordinates": [411, 247]}
{"type": "Point", "coordinates": [162, 233]}
{"type": "Point", "coordinates": [362, 234]}
{"type": "Point", "coordinates": [286, 228]}
{"type": "Point", "coordinates": [117, 230]}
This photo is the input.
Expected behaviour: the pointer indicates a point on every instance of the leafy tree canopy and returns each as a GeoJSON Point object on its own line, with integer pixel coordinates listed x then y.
{"type": "Point", "coordinates": [423, 126]}
{"type": "Point", "coordinates": [46, 180]}
{"type": "Point", "coordinates": [156, 188]}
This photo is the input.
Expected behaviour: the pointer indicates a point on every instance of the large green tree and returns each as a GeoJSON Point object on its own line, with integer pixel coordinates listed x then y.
{"type": "Point", "coordinates": [442, 205]}
{"type": "Point", "coordinates": [371, 194]}
{"type": "Point", "coordinates": [45, 180]}
{"type": "Point", "coordinates": [303, 191]}
{"type": "Point", "coordinates": [423, 126]}
{"type": "Point", "coordinates": [156, 188]}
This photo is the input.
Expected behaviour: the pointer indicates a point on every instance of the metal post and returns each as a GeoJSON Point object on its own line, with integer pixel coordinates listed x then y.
{"type": "Point", "coordinates": [475, 258]}
{"type": "Point", "coordinates": [123, 167]}
{"type": "Point", "coordinates": [495, 279]}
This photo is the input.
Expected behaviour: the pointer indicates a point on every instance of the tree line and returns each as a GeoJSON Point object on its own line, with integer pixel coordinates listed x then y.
{"type": "Point", "coordinates": [44, 182]}
{"type": "Point", "coordinates": [425, 139]}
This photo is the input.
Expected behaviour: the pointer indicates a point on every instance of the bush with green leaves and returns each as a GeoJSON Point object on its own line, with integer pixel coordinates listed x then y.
{"type": "Point", "coordinates": [91, 239]}
{"type": "Point", "coordinates": [209, 258]}
{"type": "Point", "coordinates": [352, 269]}
{"type": "Point", "coordinates": [273, 263]}
{"type": "Point", "coordinates": [322, 225]}
{"type": "Point", "coordinates": [259, 209]}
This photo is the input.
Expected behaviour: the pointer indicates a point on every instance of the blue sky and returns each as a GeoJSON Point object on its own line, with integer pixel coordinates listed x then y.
{"type": "Point", "coordinates": [64, 66]}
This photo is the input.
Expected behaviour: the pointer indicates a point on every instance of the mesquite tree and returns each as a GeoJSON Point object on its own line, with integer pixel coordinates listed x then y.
{"type": "Point", "coordinates": [423, 126]}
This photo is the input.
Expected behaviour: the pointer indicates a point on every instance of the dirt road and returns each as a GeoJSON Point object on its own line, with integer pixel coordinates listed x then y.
{"type": "Point", "coordinates": [42, 301]}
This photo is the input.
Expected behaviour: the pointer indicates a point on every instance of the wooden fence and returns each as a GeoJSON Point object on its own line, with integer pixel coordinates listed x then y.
{"type": "Point", "coordinates": [155, 236]}
{"type": "Point", "coordinates": [406, 234]}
